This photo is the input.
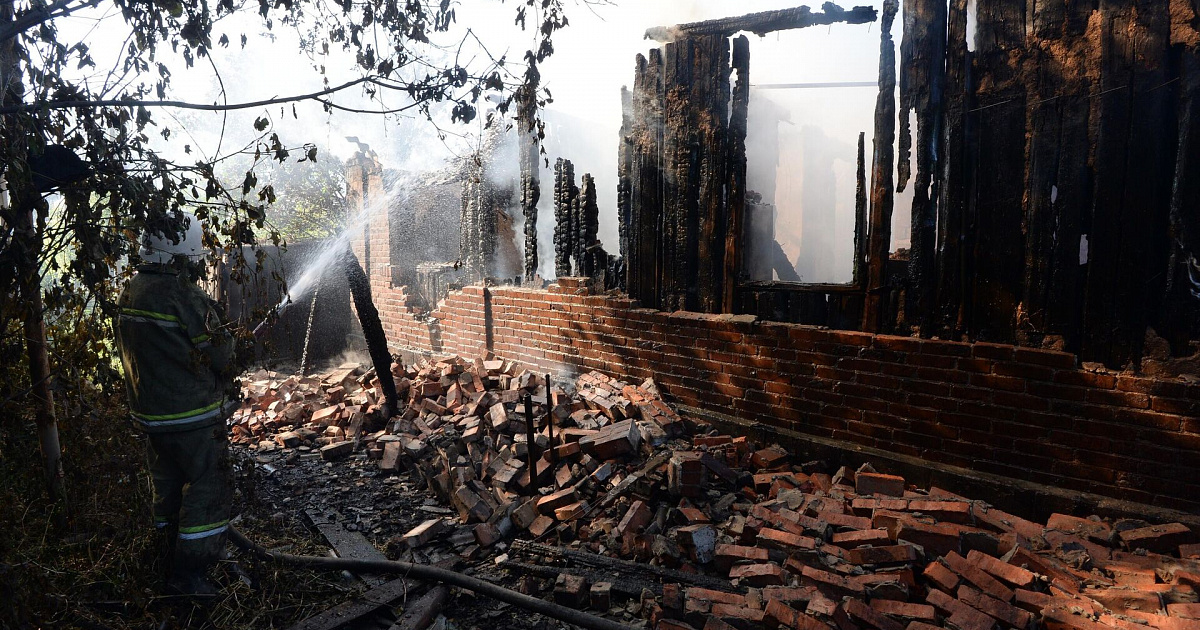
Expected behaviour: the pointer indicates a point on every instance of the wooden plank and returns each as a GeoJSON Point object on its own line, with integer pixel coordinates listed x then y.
{"type": "Point", "coordinates": [998, 244]}
{"type": "Point", "coordinates": [347, 544]}
{"type": "Point", "coordinates": [421, 613]}
{"type": "Point", "coordinates": [880, 225]}
{"type": "Point", "coordinates": [357, 607]}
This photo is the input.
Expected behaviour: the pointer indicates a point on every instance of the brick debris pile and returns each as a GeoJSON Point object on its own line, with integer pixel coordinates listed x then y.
{"type": "Point", "coordinates": [632, 501]}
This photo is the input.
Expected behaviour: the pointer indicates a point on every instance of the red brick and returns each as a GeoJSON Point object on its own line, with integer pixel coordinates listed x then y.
{"type": "Point", "coordinates": [961, 615]}
{"type": "Point", "coordinates": [826, 580]}
{"type": "Point", "coordinates": [949, 511]}
{"type": "Point", "coordinates": [941, 577]}
{"type": "Point", "coordinates": [1002, 611]}
{"type": "Point", "coordinates": [1060, 618]}
{"type": "Point", "coordinates": [871, 617]}
{"type": "Point", "coordinates": [788, 594]}
{"type": "Point", "coordinates": [728, 555]}
{"type": "Point", "coordinates": [975, 575]}
{"type": "Point", "coordinates": [880, 484]}
{"type": "Point", "coordinates": [715, 623]}
{"type": "Point", "coordinates": [763, 574]}
{"type": "Point", "coordinates": [1119, 600]}
{"type": "Point", "coordinates": [920, 612]}
{"type": "Point", "coordinates": [1185, 610]}
{"type": "Point", "coordinates": [1009, 573]}
{"type": "Point", "coordinates": [1157, 538]}
{"type": "Point", "coordinates": [711, 596]}
{"type": "Point", "coordinates": [789, 617]}
{"type": "Point", "coordinates": [728, 611]}
{"type": "Point", "coordinates": [787, 541]}
{"type": "Point", "coordinates": [891, 554]}
{"type": "Point", "coordinates": [935, 539]}
{"type": "Point", "coordinates": [850, 540]}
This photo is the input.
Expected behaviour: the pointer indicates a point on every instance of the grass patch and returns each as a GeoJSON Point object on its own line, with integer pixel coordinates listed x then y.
{"type": "Point", "coordinates": [99, 569]}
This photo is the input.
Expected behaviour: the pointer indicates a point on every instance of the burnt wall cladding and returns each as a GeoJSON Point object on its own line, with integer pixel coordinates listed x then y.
{"type": "Point", "coordinates": [1019, 412]}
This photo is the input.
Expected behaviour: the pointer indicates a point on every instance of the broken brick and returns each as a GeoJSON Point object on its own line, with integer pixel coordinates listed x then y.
{"type": "Point", "coordinates": [879, 484]}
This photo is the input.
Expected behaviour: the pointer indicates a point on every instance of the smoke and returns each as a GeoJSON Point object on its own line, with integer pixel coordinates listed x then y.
{"type": "Point", "coordinates": [593, 59]}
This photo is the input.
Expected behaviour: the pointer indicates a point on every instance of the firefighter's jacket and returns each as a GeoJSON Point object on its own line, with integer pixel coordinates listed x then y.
{"type": "Point", "coordinates": [178, 360]}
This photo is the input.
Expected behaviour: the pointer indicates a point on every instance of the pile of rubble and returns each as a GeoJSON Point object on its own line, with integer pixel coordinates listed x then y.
{"type": "Point", "coordinates": [631, 502]}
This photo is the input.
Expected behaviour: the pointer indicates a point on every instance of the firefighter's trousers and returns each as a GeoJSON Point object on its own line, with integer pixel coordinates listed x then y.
{"type": "Point", "coordinates": [192, 492]}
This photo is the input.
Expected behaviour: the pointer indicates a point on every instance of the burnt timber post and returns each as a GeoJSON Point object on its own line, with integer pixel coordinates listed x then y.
{"type": "Point", "coordinates": [527, 138]}
{"type": "Point", "coordinates": [880, 231]}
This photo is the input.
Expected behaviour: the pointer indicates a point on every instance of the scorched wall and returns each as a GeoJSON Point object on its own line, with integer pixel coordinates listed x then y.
{"type": "Point", "coordinates": [1019, 412]}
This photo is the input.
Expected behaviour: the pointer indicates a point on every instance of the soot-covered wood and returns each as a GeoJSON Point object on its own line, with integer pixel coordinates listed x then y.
{"type": "Point", "coordinates": [922, 76]}
{"type": "Point", "coordinates": [368, 315]}
{"type": "Point", "coordinates": [882, 200]}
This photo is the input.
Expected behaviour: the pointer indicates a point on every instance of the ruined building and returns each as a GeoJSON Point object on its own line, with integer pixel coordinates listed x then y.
{"type": "Point", "coordinates": [1043, 326]}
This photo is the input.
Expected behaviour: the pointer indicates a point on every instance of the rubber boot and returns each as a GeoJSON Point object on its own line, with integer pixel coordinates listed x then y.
{"type": "Point", "coordinates": [164, 550]}
{"type": "Point", "coordinates": [189, 576]}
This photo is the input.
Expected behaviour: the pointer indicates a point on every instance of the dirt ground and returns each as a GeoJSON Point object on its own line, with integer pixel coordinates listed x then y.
{"type": "Point", "coordinates": [280, 489]}
{"type": "Point", "coordinates": [96, 567]}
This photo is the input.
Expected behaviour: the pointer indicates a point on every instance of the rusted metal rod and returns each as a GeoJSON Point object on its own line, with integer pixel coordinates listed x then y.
{"type": "Point", "coordinates": [531, 446]}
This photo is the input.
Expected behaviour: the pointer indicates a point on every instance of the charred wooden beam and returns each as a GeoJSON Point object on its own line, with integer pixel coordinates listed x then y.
{"type": "Point", "coordinates": [923, 63]}
{"type": "Point", "coordinates": [372, 327]}
{"type": "Point", "coordinates": [1180, 321]}
{"type": "Point", "coordinates": [957, 173]}
{"type": "Point", "coordinates": [677, 179]}
{"type": "Point", "coordinates": [880, 226]}
{"type": "Point", "coordinates": [646, 181]}
{"type": "Point", "coordinates": [1131, 181]}
{"type": "Point", "coordinates": [587, 225]}
{"type": "Point", "coordinates": [767, 22]}
{"type": "Point", "coordinates": [1058, 180]}
{"type": "Point", "coordinates": [860, 213]}
{"type": "Point", "coordinates": [624, 168]}
{"type": "Point", "coordinates": [711, 102]}
{"type": "Point", "coordinates": [996, 268]}
{"type": "Point", "coordinates": [527, 137]}
{"type": "Point", "coordinates": [736, 163]}
{"type": "Point", "coordinates": [565, 193]}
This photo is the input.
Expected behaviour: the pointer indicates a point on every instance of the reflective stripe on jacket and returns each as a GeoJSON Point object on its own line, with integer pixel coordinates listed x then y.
{"type": "Point", "coordinates": [177, 360]}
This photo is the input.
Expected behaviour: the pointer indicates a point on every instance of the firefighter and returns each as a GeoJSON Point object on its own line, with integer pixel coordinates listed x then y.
{"type": "Point", "coordinates": [178, 361]}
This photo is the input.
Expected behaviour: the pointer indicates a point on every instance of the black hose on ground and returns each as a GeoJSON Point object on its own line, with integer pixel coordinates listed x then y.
{"type": "Point", "coordinates": [435, 574]}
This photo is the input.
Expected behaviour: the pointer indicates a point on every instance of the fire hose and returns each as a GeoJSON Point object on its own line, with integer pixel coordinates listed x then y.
{"type": "Point", "coordinates": [435, 574]}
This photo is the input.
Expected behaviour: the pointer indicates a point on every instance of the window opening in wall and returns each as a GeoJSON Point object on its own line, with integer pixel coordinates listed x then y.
{"type": "Point", "coordinates": [803, 124]}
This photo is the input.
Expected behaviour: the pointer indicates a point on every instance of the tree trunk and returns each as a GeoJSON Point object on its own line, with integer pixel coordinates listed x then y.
{"type": "Point", "coordinates": [26, 235]}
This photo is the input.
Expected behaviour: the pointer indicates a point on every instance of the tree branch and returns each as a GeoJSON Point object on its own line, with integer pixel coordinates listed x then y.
{"type": "Point", "coordinates": [121, 102]}
{"type": "Point", "coordinates": [38, 16]}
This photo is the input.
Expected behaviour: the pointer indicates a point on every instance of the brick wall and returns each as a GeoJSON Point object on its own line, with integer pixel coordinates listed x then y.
{"type": "Point", "coordinates": [1019, 412]}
